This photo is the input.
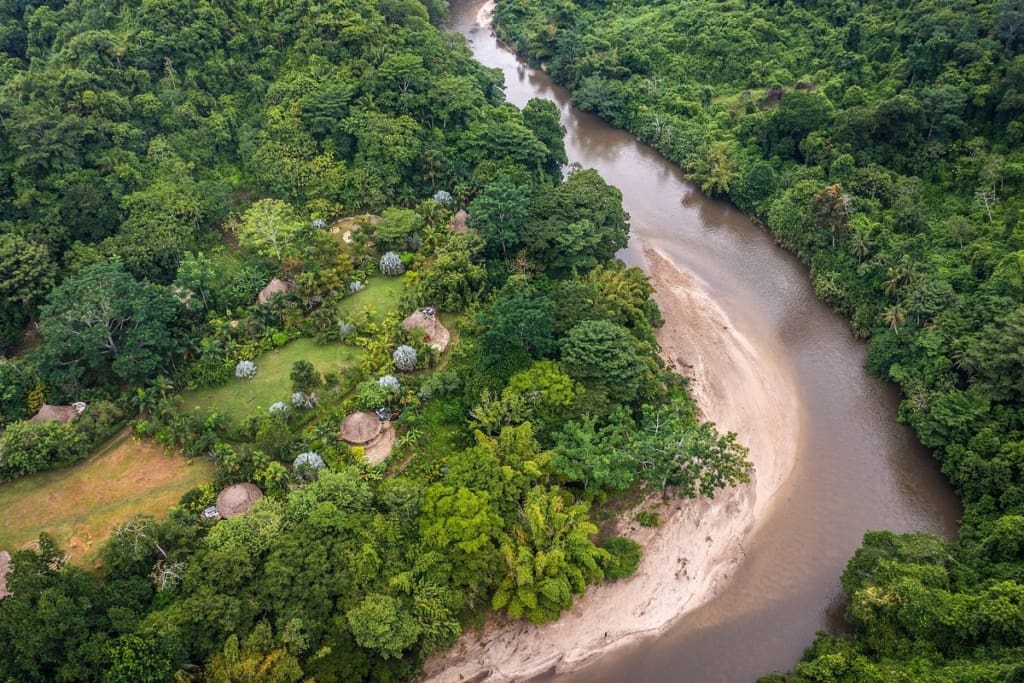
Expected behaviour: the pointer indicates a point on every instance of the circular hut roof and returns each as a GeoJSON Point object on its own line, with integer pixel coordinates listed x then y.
{"type": "Point", "coordinates": [237, 499]}
{"type": "Point", "coordinates": [460, 222]}
{"type": "Point", "coordinates": [360, 428]}
{"type": "Point", "coordinates": [59, 413]}
{"type": "Point", "coordinates": [275, 286]}
{"type": "Point", "coordinates": [435, 333]}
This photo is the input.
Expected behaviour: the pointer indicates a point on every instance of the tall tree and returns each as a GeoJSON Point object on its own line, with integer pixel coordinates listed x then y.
{"type": "Point", "coordinates": [102, 324]}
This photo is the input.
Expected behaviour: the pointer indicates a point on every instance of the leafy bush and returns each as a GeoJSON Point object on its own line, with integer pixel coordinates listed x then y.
{"type": "Point", "coordinates": [304, 400]}
{"type": "Point", "coordinates": [446, 383]}
{"type": "Point", "coordinates": [370, 395]}
{"type": "Point", "coordinates": [390, 382]}
{"type": "Point", "coordinates": [308, 465]}
{"type": "Point", "coordinates": [414, 242]}
{"type": "Point", "coordinates": [346, 329]}
{"type": "Point", "coordinates": [100, 421]}
{"type": "Point", "coordinates": [624, 557]}
{"type": "Point", "coordinates": [405, 358]}
{"type": "Point", "coordinates": [395, 226]}
{"type": "Point", "coordinates": [16, 381]}
{"type": "Point", "coordinates": [648, 519]}
{"type": "Point", "coordinates": [245, 369]}
{"type": "Point", "coordinates": [391, 264]}
{"type": "Point", "coordinates": [29, 447]}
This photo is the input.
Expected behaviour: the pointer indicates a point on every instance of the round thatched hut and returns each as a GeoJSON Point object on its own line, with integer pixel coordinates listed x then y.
{"type": "Point", "coordinates": [460, 222]}
{"type": "Point", "coordinates": [435, 334]}
{"type": "Point", "coordinates": [58, 413]}
{"type": "Point", "coordinates": [361, 429]}
{"type": "Point", "coordinates": [275, 286]}
{"type": "Point", "coordinates": [236, 499]}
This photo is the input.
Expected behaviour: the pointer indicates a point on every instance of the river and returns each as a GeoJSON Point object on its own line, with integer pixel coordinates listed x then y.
{"type": "Point", "coordinates": [856, 467]}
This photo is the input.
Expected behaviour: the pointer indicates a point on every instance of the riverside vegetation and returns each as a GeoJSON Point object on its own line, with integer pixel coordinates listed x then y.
{"type": "Point", "coordinates": [881, 143]}
{"type": "Point", "coordinates": [160, 162]}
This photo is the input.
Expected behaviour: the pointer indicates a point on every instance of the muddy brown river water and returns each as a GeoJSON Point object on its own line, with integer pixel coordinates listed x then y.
{"type": "Point", "coordinates": [856, 467]}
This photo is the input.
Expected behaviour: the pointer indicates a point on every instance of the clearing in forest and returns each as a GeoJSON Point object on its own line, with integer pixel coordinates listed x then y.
{"type": "Point", "coordinates": [240, 398]}
{"type": "Point", "coordinates": [81, 505]}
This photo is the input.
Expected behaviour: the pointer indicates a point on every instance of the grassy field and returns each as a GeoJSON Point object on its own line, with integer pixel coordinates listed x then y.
{"type": "Point", "coordinates": [240, 398]}
{"type": "Point", "coordinates": [380, 296]}
{"type": "Point", "coordinates": [80, 506]}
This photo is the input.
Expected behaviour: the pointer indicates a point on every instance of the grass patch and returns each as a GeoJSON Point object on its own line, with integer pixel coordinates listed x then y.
{"type": "Point", "coordinates": [239, 398]}
{"type": "Point", "coordinates": [81, 505]}
{"type": "Point", "coordinates": [381, 296]}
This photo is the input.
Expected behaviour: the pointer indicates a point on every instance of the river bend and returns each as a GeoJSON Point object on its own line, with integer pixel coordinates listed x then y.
{"type": "Point", "coordinates": [856, 468]}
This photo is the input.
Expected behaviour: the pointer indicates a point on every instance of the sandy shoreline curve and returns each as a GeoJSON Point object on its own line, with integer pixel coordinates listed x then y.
{"type": "Point", "coordinates": [692, 554]}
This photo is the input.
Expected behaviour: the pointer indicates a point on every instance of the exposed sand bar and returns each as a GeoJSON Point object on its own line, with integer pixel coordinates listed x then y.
{"type": "Point", "coordinates": [743, 388]}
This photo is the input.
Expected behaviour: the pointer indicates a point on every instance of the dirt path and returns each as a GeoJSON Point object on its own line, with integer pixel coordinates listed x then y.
{"type": "Point", "coordinates": [691, 555]}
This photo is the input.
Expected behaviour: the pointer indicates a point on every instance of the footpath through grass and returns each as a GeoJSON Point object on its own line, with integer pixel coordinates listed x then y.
{"type": "Point", "coordinates": [81, 505]}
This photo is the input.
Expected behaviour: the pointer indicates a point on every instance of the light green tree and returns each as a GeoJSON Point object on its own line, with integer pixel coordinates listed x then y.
{"type": "Point", "coordinates": [268, 227]}
{"type": "Point", "coordinates": [548, 557]}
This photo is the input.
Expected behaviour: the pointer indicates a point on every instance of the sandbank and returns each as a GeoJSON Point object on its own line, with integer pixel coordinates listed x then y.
{"type": "Point", "coordinates": [691, 555]}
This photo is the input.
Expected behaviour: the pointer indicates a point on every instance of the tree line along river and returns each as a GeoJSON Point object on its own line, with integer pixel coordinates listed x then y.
{"type": "Point", "coordinates": [856, 468]}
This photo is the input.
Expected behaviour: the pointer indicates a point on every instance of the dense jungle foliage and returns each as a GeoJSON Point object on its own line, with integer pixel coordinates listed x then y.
{"type": "Point", "coordinates": [160, 162]}
{"type": "Point", "coordinates": [881, 142]}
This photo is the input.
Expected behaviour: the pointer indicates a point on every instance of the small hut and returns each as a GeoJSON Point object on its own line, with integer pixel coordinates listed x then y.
{"type": "Point", "coordinates": [435, 334]}
{"type": "Point", "coordinates": [236, 499]}
{"type": "Point", "coordinates": [361, 429]}
{"type": "Point", "coordinates": [460, 223]}
{"type": "Point", "coordinates": [63, 414]}
{"type": "Point", "coordinates": [275, 286]}
{"type": "Point", "coordinates": [5, 568]}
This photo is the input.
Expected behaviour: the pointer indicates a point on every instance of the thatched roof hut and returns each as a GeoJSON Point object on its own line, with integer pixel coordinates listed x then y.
{"type": "Point", "coordinates": [361, 428]}
{"type": "Point", "coordinates": [5, 567]}
{"type": "Point", "coordinates": [434, 332]}
{"type": "Point", "coordinates": [460, 223]}
{"type": "Point", "coordinates": [59, 413]}
{"type": "Point", "coordinates": [380, 449]}
{"type": "Point", "coordinates": [236, 499]}
{"type": "Point", "coordinates": [275, 286]}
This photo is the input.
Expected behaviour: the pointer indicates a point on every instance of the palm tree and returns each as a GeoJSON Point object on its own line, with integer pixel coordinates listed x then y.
{"type": "Point", "coordinates": [897, 276]}
{"type": "Point", "coordinates": [895, 316]}
{"type": "Point", "coordinates": [860, 244]}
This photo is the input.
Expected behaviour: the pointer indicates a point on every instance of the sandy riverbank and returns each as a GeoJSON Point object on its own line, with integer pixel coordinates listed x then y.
{"type": "Point", "coordinates": [691, 555]}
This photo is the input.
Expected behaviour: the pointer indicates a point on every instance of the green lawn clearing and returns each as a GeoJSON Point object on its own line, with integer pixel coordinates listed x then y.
{"type": "Point", "coordinates": [239, 398]}
{"type": "Point", "coordinates": [81, 505]}
{"type": "Point", "coordinates": [380, 296]}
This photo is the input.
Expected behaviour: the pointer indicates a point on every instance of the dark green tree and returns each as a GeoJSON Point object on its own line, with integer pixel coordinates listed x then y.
{"type": "Point", "coordinates": [600, 353]}
{"type": "Point", "coordinates": [102, 324]}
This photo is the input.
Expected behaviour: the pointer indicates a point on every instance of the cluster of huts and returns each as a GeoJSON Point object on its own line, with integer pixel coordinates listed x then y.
{"type": "Point", "coordinates": [370, 431]}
